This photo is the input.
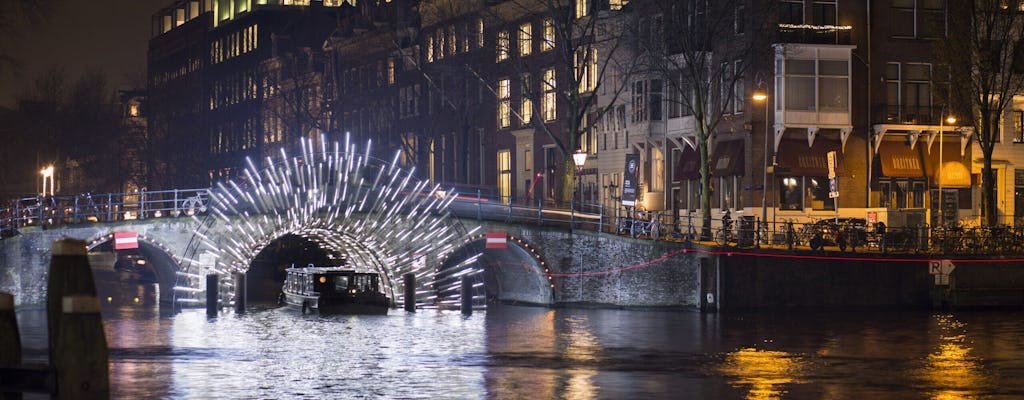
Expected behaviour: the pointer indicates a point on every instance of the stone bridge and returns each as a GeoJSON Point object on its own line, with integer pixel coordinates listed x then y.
{"type": "Point", "coordinates": [340, 206]}
{"type": "Point", "coordinates": [541, 266]}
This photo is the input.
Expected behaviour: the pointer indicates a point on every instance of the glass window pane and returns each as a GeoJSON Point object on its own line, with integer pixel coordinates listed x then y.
{"type": "Point", "coordinates": [799, 67]}
{"type": "Point", "coordinates": [832, 67]}
{"type": "Point", "coordinates": [834, 94]}
{"type": "Point", "coordinates": [790, 192]}
{"type": "Point", "coordinates": [800, 93]}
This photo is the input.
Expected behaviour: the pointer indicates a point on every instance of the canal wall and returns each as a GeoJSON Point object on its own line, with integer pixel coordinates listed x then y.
{"type": "Point", "coordinates": [604, 270]}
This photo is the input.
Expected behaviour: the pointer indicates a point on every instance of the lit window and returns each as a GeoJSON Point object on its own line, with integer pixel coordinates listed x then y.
{"type": "Point", "coordinates": [525, 39]}
{"type": "Point", "coordinates": [391, 71]}
{"type": "Point", "coordinates": [547, 102]}
{"type": "Point", "coordinates": [504, 104]}
{"type": "Point", "coordinates": [585, 63]}
{"type": "Point", "coordinates": [549, 35]}
{"type": "Point", "coordinates": [582, 8]}
{"type": "Point", "coordinates": [617, 4]}
{"type": "Point", "coordinates": [479, 33]}
{"type": "Point", "coordinates": [430, 49]}
{"type": "Point", "coordinates": [502, 46]}
{"type": "Point", "coordinates": [526, 106]}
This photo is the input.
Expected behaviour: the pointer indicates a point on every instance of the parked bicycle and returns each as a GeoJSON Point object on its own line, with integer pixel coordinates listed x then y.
{"type": "Point", "coordinates": [726, 235]}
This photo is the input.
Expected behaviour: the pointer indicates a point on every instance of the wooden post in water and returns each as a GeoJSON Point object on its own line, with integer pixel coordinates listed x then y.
{"type": "Point", "coordinates": [69, 275]}
{"type": "Point", "coordinates": [80, 357]}
{"type": "Point", "coordinates": [467, 296]}
{"type": "Point", "coordinates": [212, 289]}
{"type": "Point", "coordinates": [410, 292]}
{"type": "Point", "coordinates": [78, 347]}
{"type": "Point", "coordinates": [240, 293]}
{"type": "Point", "coordinates": [10, 341]}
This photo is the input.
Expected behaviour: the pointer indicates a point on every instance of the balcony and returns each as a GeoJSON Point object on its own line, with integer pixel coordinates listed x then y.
{"type": "Point", "coordinates": [907, 115]}
{"type": "Point", "coordinates": [815, 34]}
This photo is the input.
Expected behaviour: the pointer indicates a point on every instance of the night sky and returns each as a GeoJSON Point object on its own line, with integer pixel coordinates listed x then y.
{"type": "Point", "coordinates": [86, 35]}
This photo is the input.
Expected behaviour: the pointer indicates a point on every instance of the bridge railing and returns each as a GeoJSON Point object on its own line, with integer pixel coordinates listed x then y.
{"type": "Point", "coordinates": [101, 207]}
{"type": "Point", "coordinates": [825, 234]}
{"type": "Point", "coordinates": [745, 231]}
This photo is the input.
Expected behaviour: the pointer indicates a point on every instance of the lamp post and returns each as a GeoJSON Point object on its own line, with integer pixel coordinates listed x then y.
{"type": "Point", "coordinates": [951, 120]}
{"type": "Point", "coordinates": [579, 158]}
{"type": "Point", "coordinates": [762, 97]}
{"type": "Point", "coordinates": [47, 173]}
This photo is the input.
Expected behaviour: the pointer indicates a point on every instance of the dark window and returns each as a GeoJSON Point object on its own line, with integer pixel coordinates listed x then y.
{"type": "Point", "coordinates": [791, 12]}
{"type": "Point", "coordinates": [903, 18]}
{"type": "Point", "coordinates": [791, 193]}
{"type": "Point", "coordinates": [933, 18]}
{"type": "Point", "coordinates": [823, 13]}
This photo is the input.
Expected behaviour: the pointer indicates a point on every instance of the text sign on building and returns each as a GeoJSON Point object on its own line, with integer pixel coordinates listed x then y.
{"type": "Point", "coordinates": [126, 240]}
{"type": "Point", "coordinates": [496, 240]}
{"type": "Point", "coordinates": [831, 164]}
{"type": "Point", "coordinates": [631, 180]}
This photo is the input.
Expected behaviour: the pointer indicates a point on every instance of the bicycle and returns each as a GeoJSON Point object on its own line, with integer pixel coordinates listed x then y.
{"type": "Point", "coordinates": [644, 226]}
{"type": "Point", "coordinates": [194, 204]}
{"type": "Point", "coordinates": [725, 236]}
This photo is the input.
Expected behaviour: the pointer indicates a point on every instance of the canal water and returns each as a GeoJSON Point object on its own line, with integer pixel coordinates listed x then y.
{"type": "Point", "coordinates": [510, 352]}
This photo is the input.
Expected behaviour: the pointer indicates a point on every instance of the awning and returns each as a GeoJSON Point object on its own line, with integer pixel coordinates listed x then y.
{"type": "Point", "coordinates": [900, 161]}
{"type": "Point", "coordinates": [688, 165]}
{"type": "Point", "coordinates": [956, 173]}
{"type": "Point", "coordinates": [795, 158]}
{"type": "Point", "coordinates": [728, 158]}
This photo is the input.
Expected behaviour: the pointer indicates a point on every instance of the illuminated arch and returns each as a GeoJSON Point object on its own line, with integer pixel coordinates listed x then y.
{"type": "Point", "coordinates": [371, 213]}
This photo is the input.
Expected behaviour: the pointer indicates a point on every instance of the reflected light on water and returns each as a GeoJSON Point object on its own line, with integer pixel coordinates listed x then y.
{"type": "Point", "coordinates": [951, 372]}
{"type": "Point", "coordinates": [764, 371]}
{"type": "Point", "coordinates": [581, 350]}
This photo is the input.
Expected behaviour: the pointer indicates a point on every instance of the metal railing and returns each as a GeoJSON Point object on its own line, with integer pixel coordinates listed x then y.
{"type": "Point", "coordinates": [843, 234]}
{"type": "Point", "coordinates": [46, 211]}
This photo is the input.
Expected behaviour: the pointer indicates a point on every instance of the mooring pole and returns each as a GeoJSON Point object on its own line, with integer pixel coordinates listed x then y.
{"type": "Point", "coordinates": [212, 287]}
{"type": "Point", "coordinates": [240, 293]}
{"type": "Point", "coordinates": [410, 292]}
{"type": "Point", "coordinates": [78, 344]}
{"type": "Point", "coordinates": [467, 296]}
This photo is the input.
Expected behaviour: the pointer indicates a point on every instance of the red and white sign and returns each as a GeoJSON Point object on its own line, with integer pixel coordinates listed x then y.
{"type": "Point", "coordinates": [497, 240]}
{"type": "Point", "coordinates": [126, 240]}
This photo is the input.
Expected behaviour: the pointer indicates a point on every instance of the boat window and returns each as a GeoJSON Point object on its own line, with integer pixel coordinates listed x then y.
{"type": "Point", "coordinates": [340, 283]}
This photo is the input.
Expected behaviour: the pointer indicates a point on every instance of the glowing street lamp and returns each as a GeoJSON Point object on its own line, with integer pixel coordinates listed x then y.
{"type": "Point", "coordinates": [47, 173]}
{"type": "Point", "coordinates": [579, 158]}
{"type": "Point", "coordinates": [762, 97]}
{"type": "Point", "coordinates": [949, 120]}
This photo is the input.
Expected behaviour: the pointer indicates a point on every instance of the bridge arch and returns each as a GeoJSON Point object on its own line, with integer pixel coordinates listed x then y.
{"type": "Point", "coordinates": [367, 213]}
{"type": "Point", "coordinates": [160, 261]}
{"type": "Point", "coordinates": [515, 273]}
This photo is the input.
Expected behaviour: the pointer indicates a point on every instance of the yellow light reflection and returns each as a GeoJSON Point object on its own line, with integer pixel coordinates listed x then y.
{"type": "Point", "coordinates": [951, 372]}
{"type": "Point", "coordinates": [765, 372]}
{"type": "Point", "coordinates": [581, 347]}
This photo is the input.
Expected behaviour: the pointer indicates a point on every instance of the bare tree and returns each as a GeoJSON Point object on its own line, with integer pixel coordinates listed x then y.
{"type": "Point", "coordinates": [985, 53]}
{"type": "Point", "coordinates": [705, 50]}
{"type": "Point", "coordinates": [586, 41]}
{"type": "Point", "coordinates": [295, 99]}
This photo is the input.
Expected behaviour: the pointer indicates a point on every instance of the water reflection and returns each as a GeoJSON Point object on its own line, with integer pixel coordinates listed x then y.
{"type": "Point", "coordinates": [951, 372]}
{"type": "Point", "coordinates": [525, 352]}
{"type": "Point", "coordinates": [765, 372]}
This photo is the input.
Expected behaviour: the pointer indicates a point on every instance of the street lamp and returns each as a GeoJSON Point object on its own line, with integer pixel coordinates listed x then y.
{"type": "Point", "coordinates": [950, 120]}
{"type": "Point", "coordinates": [47, 173]}
{"type": "Point", "coordinates": [579, 158]}
{"type": "Point", "coordinates": [762, 97]}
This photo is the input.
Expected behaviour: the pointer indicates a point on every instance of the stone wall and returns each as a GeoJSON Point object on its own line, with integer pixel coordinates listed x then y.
{"type": "Point", "coordinates": [618, 271]}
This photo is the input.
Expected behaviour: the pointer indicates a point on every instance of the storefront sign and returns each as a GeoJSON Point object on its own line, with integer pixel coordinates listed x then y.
{"type": "Point", "coordinates": [631, 180]}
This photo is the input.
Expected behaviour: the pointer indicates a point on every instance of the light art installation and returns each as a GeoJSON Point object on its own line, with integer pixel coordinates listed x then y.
{"type": "Point", "coordinates": [373, 214]}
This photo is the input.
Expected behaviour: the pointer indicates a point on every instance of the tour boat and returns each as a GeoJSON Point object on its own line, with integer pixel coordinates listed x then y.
{"type": "Point", "coordinates": [334, 290]}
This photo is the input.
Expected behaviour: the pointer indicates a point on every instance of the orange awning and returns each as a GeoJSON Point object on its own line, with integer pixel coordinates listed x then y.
{"type": "Point", "coordinates": [797, 159]}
